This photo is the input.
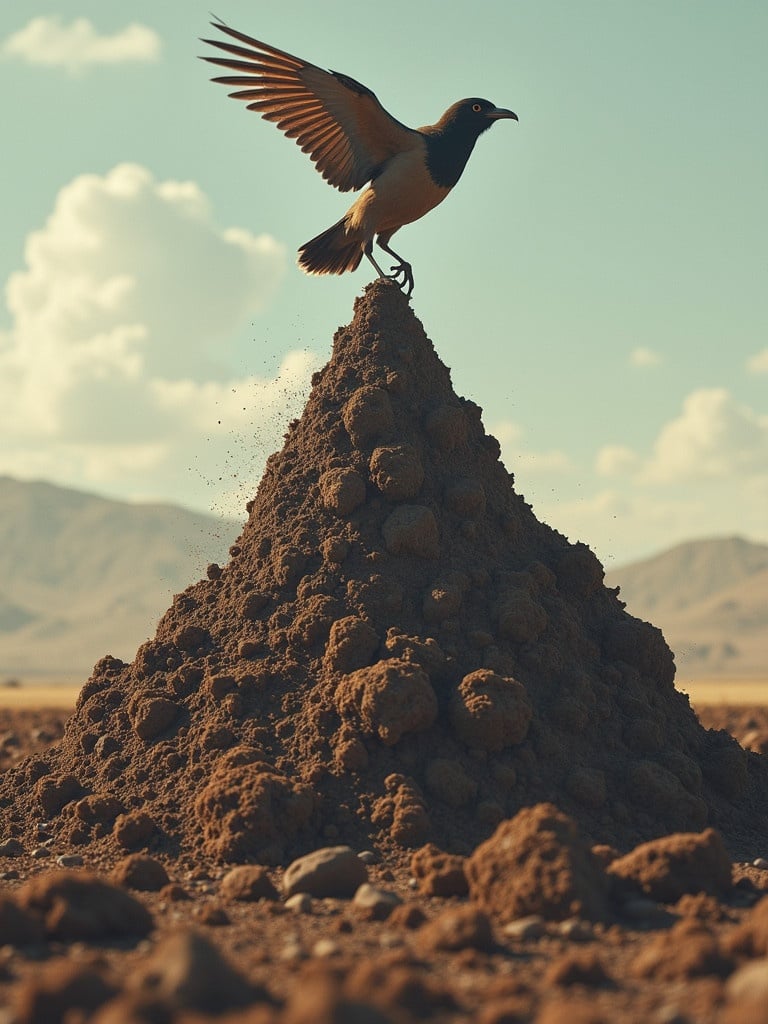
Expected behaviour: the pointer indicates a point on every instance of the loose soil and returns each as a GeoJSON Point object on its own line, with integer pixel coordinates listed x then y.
{"type": "Point", "coordinates": [400, 659]}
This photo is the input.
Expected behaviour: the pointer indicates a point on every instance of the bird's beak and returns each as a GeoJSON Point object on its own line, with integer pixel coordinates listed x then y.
{"type": "Point", "coordinates": [499, 112]}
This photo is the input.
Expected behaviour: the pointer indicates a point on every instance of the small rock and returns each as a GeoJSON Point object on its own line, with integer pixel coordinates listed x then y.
{"type": "Point", "coordinates": [334, 871]}
{"type": "Point", "coordinates": [292, 950]}
{"type": "Point", "coordinates": [40, 853]}
{"type": "Point", "coordinates": [576, 930]}
{"type": "Point", "coordinates": [11, 848]}
{"type": "Point", "coordinates": [374, 903]}
{"type": "Point", "coordinates": [299, 903]}
{"type": "Point", "coordinates": [325, 948]}
{"type": "Point", "coordinates": [531, 927]}
{"type": "Point", "coordinates": [760, 862]}
{"type": "Point", "coordinates": [368, 857]}
{"type": "Point", "coordinates": [70, 860]}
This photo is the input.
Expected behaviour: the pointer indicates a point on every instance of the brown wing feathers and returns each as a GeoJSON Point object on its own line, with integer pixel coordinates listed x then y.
{"type": "Point", "coordinates": [337, 121]}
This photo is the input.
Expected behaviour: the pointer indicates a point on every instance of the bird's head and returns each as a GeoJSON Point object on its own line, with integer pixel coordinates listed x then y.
{"type": "Point", "coordinates": [473, 116]}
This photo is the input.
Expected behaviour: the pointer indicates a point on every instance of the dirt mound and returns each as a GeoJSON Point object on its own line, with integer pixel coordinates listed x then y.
{"type": "Point", "coordinates": [397, 650]}
{"type": "Point", "coordinates": [537, 863]}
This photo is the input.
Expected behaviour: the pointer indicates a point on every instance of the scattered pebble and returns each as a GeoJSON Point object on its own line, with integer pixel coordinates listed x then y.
{"type": "Point", "coordinates": [70, 860]}
{"type": "Point", "coordinates": [375, 903]}
{"type": "Point", "coordinates": [576, 930]}
{"type": "Point", "coordinates": [531, 927]}
{"type": "Point", "coordinates": [325, 948]}
{"type": "Point", "coordinates": [299, 903]}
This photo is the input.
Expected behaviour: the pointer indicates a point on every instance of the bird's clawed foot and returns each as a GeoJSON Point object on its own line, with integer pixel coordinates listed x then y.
{"type": "Point", "coordinates": [402, 275]}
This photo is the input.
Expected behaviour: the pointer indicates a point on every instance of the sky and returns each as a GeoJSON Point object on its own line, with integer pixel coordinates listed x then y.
{"type": "Point", "coordinates": [597, 281]}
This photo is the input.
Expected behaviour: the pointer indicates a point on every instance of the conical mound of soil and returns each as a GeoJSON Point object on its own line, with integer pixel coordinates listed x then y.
{"type": "Point", "coordinates": [397, 651]}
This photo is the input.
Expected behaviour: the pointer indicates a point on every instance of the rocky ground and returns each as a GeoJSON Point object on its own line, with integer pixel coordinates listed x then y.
{"type": "Point", "coordinates": [533, 926]}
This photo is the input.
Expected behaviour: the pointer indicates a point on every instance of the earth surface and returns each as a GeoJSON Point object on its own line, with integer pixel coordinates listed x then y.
{"type": "Point", "coordinates": [205, 953]}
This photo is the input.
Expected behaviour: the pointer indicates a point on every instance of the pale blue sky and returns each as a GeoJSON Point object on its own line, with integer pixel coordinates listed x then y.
{"type": "Point", "coordinates": [596, 282]}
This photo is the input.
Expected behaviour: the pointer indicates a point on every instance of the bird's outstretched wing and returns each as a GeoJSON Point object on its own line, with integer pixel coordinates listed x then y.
{"type": "Point", "coordinates": [336, 120]}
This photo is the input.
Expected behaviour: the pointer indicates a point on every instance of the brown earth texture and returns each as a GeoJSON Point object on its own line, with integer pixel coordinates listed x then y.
{"type": "Point", "coordinates": [403, 758]}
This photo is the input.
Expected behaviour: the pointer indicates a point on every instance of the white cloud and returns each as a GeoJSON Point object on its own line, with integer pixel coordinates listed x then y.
{"type": "Point", "coordinates": [758, 362]}
{"type": "Point", "coordinates": [615, 460]}
{"type": "Point", "coordinates": [713, 437]}
{"type": "Point", "coordinates": [643, 358]}
{"type": "Point", "coordinates": [510, 437]}
{"type": "Point", "coordinates": [78, 45]}
{"type": "Point", "coordinates": [115, 370]}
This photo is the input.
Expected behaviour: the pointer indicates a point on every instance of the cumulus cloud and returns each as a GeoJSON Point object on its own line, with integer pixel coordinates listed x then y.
{"type": "Point", "coordinates": [758, 363]}
{"type": "Point", "coordinates": [643, 358]}
{"type": "Point", "coordinates": [713, 437]}
{"type": "Point", "coordinates": [510, 436]}
{"type": "Point", "coordinates": [615, 460]}
{"type": "Point", "coordinates": [116, 366]}
{"type": "Point", "coordinates": [47, 41]}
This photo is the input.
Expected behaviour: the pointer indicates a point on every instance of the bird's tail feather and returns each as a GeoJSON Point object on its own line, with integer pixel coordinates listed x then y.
{"type": "Point", "coordinates": [333, 252]}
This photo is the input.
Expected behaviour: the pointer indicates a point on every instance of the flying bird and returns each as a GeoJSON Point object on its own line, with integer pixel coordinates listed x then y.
{"type": "Point", "coordinates": [353, 141]}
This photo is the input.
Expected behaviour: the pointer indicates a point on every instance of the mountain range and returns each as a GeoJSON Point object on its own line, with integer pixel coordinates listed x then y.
{"type": "Point", "coordinates": [710, 599]}
{"type": "Point", "coordinates": [82, 576]}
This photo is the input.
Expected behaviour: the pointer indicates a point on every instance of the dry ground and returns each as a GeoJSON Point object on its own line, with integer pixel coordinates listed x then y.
{"type": "Point", "coordinates": [679, 963]}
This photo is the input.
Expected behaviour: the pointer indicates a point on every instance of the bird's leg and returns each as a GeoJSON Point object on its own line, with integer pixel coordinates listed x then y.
{"type": "Point", "coordinates": [401, 269]}
{"type": "Point", "coordinates": [368, 250]}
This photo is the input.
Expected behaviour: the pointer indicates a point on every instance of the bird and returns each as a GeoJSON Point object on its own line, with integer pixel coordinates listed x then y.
{"type": "Point", "coordinates": [353, 141]}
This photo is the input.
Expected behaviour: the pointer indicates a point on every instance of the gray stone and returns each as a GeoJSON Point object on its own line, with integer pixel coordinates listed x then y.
{"type": "Point", "coordinates": [299, 903]}
{"type": "Point", "coordinates": [334, 871]}
{"type": "Point", "coordinates": [531, 927]}
{"type": "Point", "coordinates": [375, 902]}
{"type": "Point", "coordinates": [70, 860]}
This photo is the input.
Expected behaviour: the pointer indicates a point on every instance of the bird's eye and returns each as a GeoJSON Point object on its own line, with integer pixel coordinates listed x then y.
{"type": "Point", "coordinates": [476, 107]}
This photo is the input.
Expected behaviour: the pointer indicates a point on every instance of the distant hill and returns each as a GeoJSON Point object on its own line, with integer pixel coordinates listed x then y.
{"type": "Point", "coordinates": [82, 576]}
{"type": "Point", "coordinates": [710, 599]}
